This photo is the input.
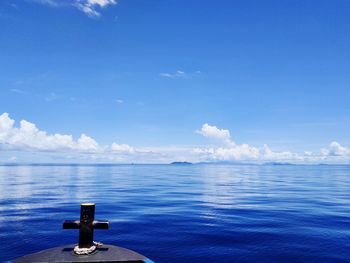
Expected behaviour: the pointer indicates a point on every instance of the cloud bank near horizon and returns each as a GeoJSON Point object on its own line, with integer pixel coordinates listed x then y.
{"type": "Point", "coordinates": [26, 137]}
{"type": "Point", "coordinates": [229, 150]}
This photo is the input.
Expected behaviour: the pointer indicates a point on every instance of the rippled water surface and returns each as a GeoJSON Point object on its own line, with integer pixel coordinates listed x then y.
{"type": "Point", "coordinates": [197, 213]}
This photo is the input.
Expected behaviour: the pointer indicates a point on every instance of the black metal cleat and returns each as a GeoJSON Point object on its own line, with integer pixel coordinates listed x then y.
{"type": "Point", "coordinates": [86, 226]}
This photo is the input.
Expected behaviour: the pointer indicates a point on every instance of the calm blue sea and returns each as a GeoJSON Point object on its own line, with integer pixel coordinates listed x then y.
{"type": "Point", "coordinates": [196, 213]}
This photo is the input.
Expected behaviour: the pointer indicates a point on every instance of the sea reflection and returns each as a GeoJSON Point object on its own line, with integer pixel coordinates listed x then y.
{"type": "Point", "coordinates": [200, 213]}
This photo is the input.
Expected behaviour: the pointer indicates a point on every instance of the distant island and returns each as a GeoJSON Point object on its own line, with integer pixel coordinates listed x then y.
{"type": "Point", "coordinates": [278, 163]}
{"type": "Point", "coordinates": [181, 163]}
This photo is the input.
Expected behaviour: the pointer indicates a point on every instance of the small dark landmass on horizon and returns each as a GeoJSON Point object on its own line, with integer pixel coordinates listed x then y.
{"type": "Point", "coordinates": [278, 163]}
{"type": "Point", "coordinates": [181, 163]}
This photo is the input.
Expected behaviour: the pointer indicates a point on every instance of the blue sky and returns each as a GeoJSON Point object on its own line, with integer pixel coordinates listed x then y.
{"type": "Point", "coordinates": [151, 74]}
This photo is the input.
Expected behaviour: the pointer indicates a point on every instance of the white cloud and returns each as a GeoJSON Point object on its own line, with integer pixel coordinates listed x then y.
{"type": "Point", "coordinates": [18, 91]}
{"type": "Point", "coordinates": [267, 154]}
{"type": "Point", "coordinates": [89, 7]}
{"type": "Point", "coordinates": [175, 75]}
{"type": "Point", "coordinates": [101, 3]}
{"type": "Point", "coordinates": [180, 74]}
{"type": "Point", "coordinates": [28, 136]}
{"type": "Point", "coordinates": [335, 149]}
{"type": "Point", "coordinates": [87, 143]}
{"type": "Point", "coordinates": [237, 152]}
{"type": "Point", "coordinates": [214, 132]}
{"type": "Point", "coordinates": [6, 125]}
{"type": "Point", "coordinates": [88, 10]}
{"type": "Point", "coordinates": [122, 148]}
{"type": "Point", "coordinates": [231, 151]}
{"type": "Point", "coordinates": [119, 101]}
{"type": "Point", "coordinates": [53, 3]}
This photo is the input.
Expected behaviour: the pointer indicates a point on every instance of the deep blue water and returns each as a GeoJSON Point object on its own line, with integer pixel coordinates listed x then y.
{"type": "Point", "coordinates": [199, 213]}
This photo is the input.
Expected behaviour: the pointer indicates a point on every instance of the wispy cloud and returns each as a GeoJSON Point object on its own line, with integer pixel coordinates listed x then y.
{"type": "Point", "coordinates": [18, 91]}
{"type": "Point", "coordinates": [13, 5]}
{"type": "Point", "coordinates": [48, 97]}
{"type": "Point", "coordinates": [52, 3]}
{"type": "Point", "coordinates": [179, 74]}
{"type": "Point", "coordinates": [175, 75]}
{"type": "Point", "coordinates": [91, 8]}
{"type": "Point", "coordinates": [52, 96]}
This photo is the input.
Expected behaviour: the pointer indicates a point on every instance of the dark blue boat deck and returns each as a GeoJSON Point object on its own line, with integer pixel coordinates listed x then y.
{"type": "Point", "coordinates": [106, 253]}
